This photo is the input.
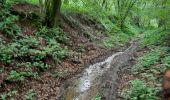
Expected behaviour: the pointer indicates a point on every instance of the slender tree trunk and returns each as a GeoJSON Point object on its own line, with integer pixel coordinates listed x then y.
{"type": "Point", "coordinates": [57, 12]}
{"type": "Point", "coordinates": [104, 4]}
{"type": "Point", "coordinates": [52, 12]}
{"type": "Point", "coordinates": [41, 6]}
{"type": "Point", "coordinates": [123, 19]}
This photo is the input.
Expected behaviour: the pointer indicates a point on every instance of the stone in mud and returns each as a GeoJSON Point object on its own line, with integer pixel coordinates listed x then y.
{"type": "Point", "coordinates": [77, 61]}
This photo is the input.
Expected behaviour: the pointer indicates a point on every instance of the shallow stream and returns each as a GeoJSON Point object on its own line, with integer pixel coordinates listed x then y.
{"type": "Point", "coordinates": [99, 78]}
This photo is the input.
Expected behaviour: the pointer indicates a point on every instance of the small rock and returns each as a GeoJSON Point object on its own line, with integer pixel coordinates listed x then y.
{"type": "Point", "coordinates": [77, 61]}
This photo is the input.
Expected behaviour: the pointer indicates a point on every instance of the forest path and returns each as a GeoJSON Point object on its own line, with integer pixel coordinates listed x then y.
{"type": "Point", "coordinates": [99, 78]}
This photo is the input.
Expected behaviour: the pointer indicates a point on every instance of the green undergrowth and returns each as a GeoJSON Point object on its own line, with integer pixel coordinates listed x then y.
{"type": "Point", "coordinates": [149, 67]}
{"type": "Point", "coordinates": [120, 37]}
{"type": "Point", "coordinates": [32, 51]}
{"type": "Point", "coordinates": [157, 36]}
{"type": "Point", "coordinates": [9, 94]}
{"type": "Point", "coordinates": [28, 52]}
{"type": "Point", "coordinates": [147, 73]}
{"type": "Point", "coordinates": [24, 56]}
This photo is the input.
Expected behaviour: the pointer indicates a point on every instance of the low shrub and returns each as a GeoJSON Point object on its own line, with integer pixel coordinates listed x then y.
{"type": "Point", "coordinates": [140, 91]}
{"type": "Point", "coordinates": [53, 33]}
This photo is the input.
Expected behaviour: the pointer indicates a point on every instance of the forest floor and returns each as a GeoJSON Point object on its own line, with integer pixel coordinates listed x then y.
{"type": "Point", "coordinates": [85, 36]}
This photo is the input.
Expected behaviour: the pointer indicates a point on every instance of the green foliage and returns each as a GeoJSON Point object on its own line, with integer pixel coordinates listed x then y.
{"type": "Point", "coordinates": [59, 74]}
{"type": "Point", "coordinates": [97, 98]}
{"type": "Point", "coordinates": [154, 37]}
{"type": "Point", "coordinates": [30, 49]}
{"type": "Point", "coordinates": [149, 59]}
{"type": "Point", "coordinates": [9, 28]}
{"type": "Point", "coordinates": [166, 60]}
{"type": "Point", "coordinates": [1, 70]}
{"type": "Point", "coordinates": [140, 91]}
{"type": "Point", "coordinates": [80, 47]}
{"type": "Point", "coordinates": [53, 33]}
{"type": "Point", "coordinates": [148, 69]}
{"type": "Point", "coordinates": [20, 76]}
{"type": "Point", "coordinates": [8, 24]}
{"type": "Point", "coordinates": [115, 39]}
{"type": "Point", "coordinates": [8, 94]}
{"type": "Point", "coordinates": [16, 76]}
{"type": "Point", "coordinates": [30, 94]}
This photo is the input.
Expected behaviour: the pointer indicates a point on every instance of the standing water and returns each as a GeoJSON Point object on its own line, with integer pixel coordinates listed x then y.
{"type": "Point", "coordinates": [87, 85]}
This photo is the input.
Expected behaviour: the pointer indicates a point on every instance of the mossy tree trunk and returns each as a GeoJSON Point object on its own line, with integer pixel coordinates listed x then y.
{"type": "Point", "coordinates": [52, 15]}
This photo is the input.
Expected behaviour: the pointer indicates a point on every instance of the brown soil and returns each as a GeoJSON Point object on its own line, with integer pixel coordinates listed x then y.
{"type": "Point", "coordinates": [25, 8]}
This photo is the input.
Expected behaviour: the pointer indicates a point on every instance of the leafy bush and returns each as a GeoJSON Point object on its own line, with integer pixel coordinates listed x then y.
{"type": "Point", "coordinates": [9, 28]}
{"type": "Point", "coordinates": [30, 49]}
{"type": "Point", "coordinates": [8, 22]}
{"type": "Point", "coordinates": [30, 94]}
{"type": "Point", "coordinates": [149, 59]}
{"type": "Point", "coordinates": [16, 76]}
{"type": "Point", "coordinates": [8, 94]}
{"type": "Point", "coordinates": [53, 33]}
{"type": "Point", "coordinates": [154, 37]}
{"type": "Point", "coordinates": [97, 98]}
{"type": "Point", "coordinates": [115, 39]}
{"type": "Point", "coordinates": [165, 63]}
{"type": "Point", "coordinates": [80, 47]}
{"type": "Point", "coordinates": [139, 91]}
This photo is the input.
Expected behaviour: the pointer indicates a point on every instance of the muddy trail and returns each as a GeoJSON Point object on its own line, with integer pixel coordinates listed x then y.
{"type": "Point", "coordinates": [100, 78]}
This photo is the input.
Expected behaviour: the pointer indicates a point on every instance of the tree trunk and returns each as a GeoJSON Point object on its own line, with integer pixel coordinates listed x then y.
{"type": "Point", "coordinates": [57, 12]}
{"type": "Point", "coordinates": [123, 18]}
{"type": "Point", "coordinates": [52, 12]}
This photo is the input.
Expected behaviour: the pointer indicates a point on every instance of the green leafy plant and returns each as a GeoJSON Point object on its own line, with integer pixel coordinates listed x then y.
{"type": "Point", "coordinates": [1, 70]}
{"type": "Point", "coordinates": [166, 61]}
{"type": "Point", "coordinates": [30, 94]}
{"type": "Point", "coordinates": [149, 59]}
{"type": "Point", "coordinates": [53, 33]}
{"type": "Point", "coordinates": [30, 50]}
{"type": "Point", "coordinates": [59, 74]}
{"type": "Point", "coordinates": [8, 94]}
{"type": "Point", "coordinates": [140, 91]}
{"type": "Point", "coordinates": [9, 28]}
{"type": "Point", "coordinates": [16, 76]}
{"type": "Point", "coordinates": [97, 98]}
{"type": "Point", "coordinates": [154, 37]}
{"type": "Point", "coordinates": [80, 47]}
